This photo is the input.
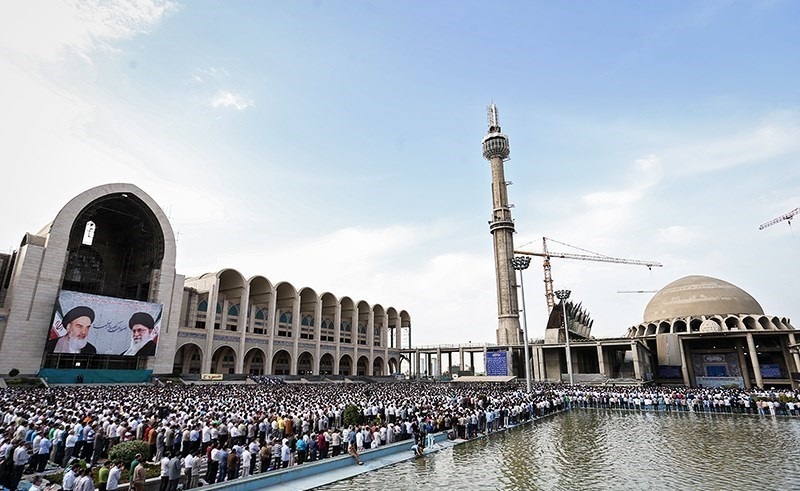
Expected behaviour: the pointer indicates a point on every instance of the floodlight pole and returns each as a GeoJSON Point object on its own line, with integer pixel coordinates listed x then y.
{"type": "Point", "coordinates": [521, 263]}
{"type": "Point", "coordinates": [563, 295]}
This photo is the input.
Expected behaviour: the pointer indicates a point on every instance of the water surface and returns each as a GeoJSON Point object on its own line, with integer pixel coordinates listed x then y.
{"type": "Point", "coordinates": [611, 449]}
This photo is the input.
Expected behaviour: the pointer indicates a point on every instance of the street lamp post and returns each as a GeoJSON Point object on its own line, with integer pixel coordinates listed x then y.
{"type": "Point", "coordinates": [521, 263]}
{"type": "Point", "coordinates": [563, 295]}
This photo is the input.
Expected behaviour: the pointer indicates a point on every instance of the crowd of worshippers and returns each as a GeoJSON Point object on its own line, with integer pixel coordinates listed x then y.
{"type": "Point", "coordinates": [781, 402]}
{"type": "Point", "coordinates": [215, 432]}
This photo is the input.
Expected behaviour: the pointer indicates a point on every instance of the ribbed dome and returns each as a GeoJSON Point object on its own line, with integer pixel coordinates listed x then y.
{"type": "Point", "coordinates": [699, 295]}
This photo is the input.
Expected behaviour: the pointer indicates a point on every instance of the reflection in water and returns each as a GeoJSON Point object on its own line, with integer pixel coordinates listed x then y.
{"type": "Point", "coordinates": [604, 449]}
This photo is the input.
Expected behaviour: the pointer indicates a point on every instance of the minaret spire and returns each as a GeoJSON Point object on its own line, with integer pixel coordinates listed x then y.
{"type": "Point", "coordinates": [496, 150]}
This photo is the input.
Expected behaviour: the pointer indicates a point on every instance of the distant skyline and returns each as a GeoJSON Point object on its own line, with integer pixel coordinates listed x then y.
{"type": "Point", "coordinates": [336, 145]}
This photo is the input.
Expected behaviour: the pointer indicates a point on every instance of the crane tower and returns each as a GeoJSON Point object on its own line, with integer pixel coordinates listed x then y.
{"type": "Point", "coordinates": [548, 277]}
{"type": "Point", "coordinates": [786, 216]}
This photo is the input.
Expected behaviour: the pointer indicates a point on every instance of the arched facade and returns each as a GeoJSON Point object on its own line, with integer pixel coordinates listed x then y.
{"type": "Point", "coordinates": [111, 241]}
{"type": "Point", "coordinates": [114, 241]}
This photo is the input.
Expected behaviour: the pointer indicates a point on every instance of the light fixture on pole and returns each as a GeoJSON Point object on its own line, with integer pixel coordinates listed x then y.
{"type": "Point", "coordinates": [521, 263]}
{"type": "Point", "coordinates": [563, 295]}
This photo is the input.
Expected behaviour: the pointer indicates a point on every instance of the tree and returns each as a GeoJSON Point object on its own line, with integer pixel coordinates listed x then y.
{"type": "Point", "coordinates": [352, 415]}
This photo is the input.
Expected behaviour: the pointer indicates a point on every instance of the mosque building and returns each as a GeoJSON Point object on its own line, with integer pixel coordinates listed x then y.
{"type": "Point", "coordinates": [95, 293]}
{"type": "Point", "coordinates": [696, 331]}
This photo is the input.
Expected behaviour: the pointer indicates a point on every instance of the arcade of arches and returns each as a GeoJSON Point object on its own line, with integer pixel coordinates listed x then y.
{"type": "Point", "coordinates": [189, 359]}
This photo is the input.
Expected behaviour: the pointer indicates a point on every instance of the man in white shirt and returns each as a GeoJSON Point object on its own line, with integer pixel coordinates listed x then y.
{"type": "Point", "coordinates": [114, 476]}
{"type": "Point", "coordinates": [188, 465]}
{"type": "Point", "coordinates": [68, 480]}
{"type": "Point", "coordinates": [246, 459]}
{"type": "Point", "coordinates": [164, 471]}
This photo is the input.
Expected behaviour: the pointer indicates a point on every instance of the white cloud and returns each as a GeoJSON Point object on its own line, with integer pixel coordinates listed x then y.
{"type": "Point", "coordinates": [227, 99]}
{"type": "Point", "coordinates": [46, 29]}
{"type": "Point", "coordinates": [764, 142]}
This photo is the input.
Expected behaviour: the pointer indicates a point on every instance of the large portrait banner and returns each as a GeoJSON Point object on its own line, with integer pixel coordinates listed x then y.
{"type": "Point", "coordinates": [96, 325]}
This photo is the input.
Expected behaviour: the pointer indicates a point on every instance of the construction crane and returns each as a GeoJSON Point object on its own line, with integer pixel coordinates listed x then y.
{"type": "Point", "coordinates": [786, 216]}
{"type": "Point", "coordinates": [592, 256]}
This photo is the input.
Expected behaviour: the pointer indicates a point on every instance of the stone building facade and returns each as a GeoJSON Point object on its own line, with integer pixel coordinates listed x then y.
{"type": "Point", "coordinates": [216, 323]}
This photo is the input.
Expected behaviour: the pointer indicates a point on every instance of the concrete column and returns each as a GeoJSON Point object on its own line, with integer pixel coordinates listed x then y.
{"type": "Point", "coordinates": [601, 361]}
{"type": "Point", "coordinates": [472, 361]}
{"type": "Point", "coordinates": [419, 367]}
{"type": "Point", "coordinates": [450, 362]}
{"type": "Point", "coordinates": [385, 344]}
{"type": "Point", "coordinates": [510, 361]}
{"type": "Point", "coordinates": [535, 363]}
{"type": "Point", "coordinates": [271, 327]}
{"type": "Point", "coordinates": [211, 317]}
{"type": "Point", "coordinates": [743, 365]}
{"type": "Point", "coordinates": [439, 362]}
{"type": "Point", "coordinates": [398, 334]}
{"type": "Point", "coordinates": [795, 354]}
{"type": "Point", "coordinates": [485, 357]}
{"type": "Point", "coordinates": [684, 363]}
{"type": "Point", "coordinates": [751, 347]}
{"type": "Point", "coordinates": [317, 335]}
{"type": "Point", "coordinates": [295, 333]}
{"type": "Point", "coordinates": [637, 364]}
{"type": "Point", "coordinates": [787, 359]}
{"type": "Point", "coordinates": [461, 359]}
{"type": "Point", "coordinates": [241, 327]}
{"type": "Point", "coordinates": [337, 328]}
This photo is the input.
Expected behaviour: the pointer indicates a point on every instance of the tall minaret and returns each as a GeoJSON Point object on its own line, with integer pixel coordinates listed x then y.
{"type": "Point", "coordinates": [496, 150]}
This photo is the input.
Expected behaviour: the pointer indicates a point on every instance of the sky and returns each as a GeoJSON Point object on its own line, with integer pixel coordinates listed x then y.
{"type": "Point", "coordinates": [337, 144]}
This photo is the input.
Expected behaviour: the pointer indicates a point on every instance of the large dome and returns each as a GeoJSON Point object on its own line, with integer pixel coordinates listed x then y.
{"type": "Point", "coordinates": [698, 296]}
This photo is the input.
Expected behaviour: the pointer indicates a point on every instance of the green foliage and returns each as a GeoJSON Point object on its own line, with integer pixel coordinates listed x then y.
{"type": "Point", "coordinates": [126, 451]}
{"type": "Point", "coordinates": [351, 416]}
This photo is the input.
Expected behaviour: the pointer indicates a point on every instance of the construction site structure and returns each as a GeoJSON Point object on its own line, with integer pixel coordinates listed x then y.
{"type": "Point", "coordinates": [785, 217]}
{"type": "Point", "coordinates": [592, 256]}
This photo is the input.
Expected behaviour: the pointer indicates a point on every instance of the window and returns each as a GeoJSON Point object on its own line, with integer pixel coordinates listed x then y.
{"type": "Point", "coordinates": [327, 330]}
{"type": "Point", "coordinates": [345, 332]}
{"type": "Point", "coordinates": [202, 309]}
{"type": "Point", "coordinates": [285, 324]}
{"type": "Point", "coordinates": [232, 321]}
{"type": "Point", "coordinates": [362, 334]}
{"type": "Point", "coordinates": [260, 322]}
{"type": "Point", "coordinates": [307, 327]}
{"type": "Point", "coordinates": [376, 336]}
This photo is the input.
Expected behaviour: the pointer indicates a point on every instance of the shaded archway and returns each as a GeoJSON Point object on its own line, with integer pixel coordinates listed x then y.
{"type": "Point", "coordinates": [361, 367]}
{"type": "Point", "coordinates": [259, 299]}
{"type": "Point", "coordinates": [393, 327]}
{"type": "Point", "coordinates": [188, 359]}
{"type": "Point", "coordinates": [326, 364]}
{"type": "Point", "coordinates": [378, 318]}
{"type": "Point", "coordinates": [255, 362]}
{"type": "Point", "coordinates": [377, 367]}
{"type": "Point", "coordinates": [393, 367]}
{"type": "Point", "coordinates": [285, 295]}
{"type": "Point", "coordinates": [305, 364]}
{"type": "Point", "coordinates": [281, 363]}
{"type": "Point", "coordinates": [308, 307]}
{"type": "Point", "coordinates": [224, 360]}
{"type": "Point", "coordinates": [115, 245]}
{"type": "Point", "coordinates": [327, 325]}
{"type": "Point", "coordinates": [348, 313]}
{"type": "Point", "coordinates": [345, 365]}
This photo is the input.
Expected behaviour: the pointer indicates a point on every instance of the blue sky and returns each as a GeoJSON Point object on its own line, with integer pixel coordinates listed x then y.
{"type": "Point", "coordinates": [336, 145]}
